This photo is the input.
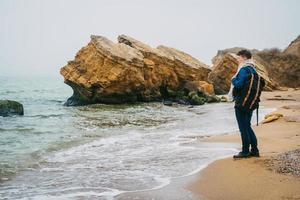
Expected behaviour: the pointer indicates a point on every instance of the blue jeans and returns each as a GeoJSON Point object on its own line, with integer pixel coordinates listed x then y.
{"type": "Point", "coordinates": [247, 134]}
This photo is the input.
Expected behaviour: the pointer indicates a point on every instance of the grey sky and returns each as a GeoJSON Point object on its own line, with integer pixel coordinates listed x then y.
{"type": "Point", "coordinates": [37, 37]}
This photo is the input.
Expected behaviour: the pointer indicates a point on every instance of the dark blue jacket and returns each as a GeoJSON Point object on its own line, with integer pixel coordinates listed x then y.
{"type": "Point", "coordinates": [241, 77]}
{"type": "Point", "coordinates": [239, 81]}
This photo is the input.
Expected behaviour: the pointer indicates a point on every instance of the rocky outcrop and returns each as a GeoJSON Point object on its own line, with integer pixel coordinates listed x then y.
{"type": "Point", "coordinates": [225, 68]}
{"type": "Point", "coordinates": [8, 108]}
{"type": "Point", "coordinates": [293, 48]}
{"type": "Point", "coordinates": [130, 71]}
{"type": "Point", "coordinates": [284, 68]}
{"type": "Point", "coordinates": [235, 50]}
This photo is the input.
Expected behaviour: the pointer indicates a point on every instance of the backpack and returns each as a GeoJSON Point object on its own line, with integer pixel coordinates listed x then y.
{"type": "Point", "coordinates": [249, 96]}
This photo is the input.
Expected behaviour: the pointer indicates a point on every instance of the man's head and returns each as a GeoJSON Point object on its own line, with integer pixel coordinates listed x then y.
{"type": "Point", "coordinates": [243, 55]}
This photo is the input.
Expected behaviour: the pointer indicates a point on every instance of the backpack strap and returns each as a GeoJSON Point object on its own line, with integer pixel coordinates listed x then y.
{"type": "Point", "coordinates": [257, 91]}
{"type": "Point", "coordinates": [249, 89]}
{"type": "Point", "coordinates": [257, 116]}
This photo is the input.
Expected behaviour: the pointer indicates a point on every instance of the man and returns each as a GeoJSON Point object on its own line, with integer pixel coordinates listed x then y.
{"type": "Point", "coordinates": [244, 117]}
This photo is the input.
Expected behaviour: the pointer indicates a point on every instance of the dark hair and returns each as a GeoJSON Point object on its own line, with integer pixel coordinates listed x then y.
{"type": "Point", "coordinates": [245, 53]}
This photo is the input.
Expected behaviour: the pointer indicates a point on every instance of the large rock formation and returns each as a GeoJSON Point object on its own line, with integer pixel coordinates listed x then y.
{"type": "Point", "coordinates": [225, 68]}
{"type": "Point", "coordinates": [284, 68]}
{"type": "Point", "coordinates": [9, 107]}
{"type": "Point", "coordinates": [130, 71]}
{"type": "Point", "coordinates": [223, 52]}
{"type": "Point", "coordinates": [294, 47]}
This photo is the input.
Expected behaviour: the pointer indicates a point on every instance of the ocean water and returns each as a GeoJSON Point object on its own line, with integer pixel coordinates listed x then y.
{"type": "Point", "coordinates": [100, 151]}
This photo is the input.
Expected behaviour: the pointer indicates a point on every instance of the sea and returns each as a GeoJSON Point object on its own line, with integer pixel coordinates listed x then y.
{"type": "Point", "coordinates": [102, 151]}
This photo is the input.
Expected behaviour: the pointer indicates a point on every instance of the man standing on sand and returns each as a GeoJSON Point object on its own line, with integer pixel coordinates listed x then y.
{"type": "Point", "coordinates": [244, 118]}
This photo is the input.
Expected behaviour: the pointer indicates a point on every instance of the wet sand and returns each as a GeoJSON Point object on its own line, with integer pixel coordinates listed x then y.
{"type": "Point", "coordinates": [251, 178]}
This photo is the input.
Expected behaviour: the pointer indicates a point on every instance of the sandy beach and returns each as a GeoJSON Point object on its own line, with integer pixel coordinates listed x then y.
{"type": "Point", "coordinates": [258, 178]}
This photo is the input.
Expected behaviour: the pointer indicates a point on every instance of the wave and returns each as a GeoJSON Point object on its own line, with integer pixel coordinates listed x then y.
{"type": "Point", "coordinates": [46, 116]}
{"type": "Point", "coordinates": [55, 101]}
{"type": "Point", "coordinates": [16, 129]}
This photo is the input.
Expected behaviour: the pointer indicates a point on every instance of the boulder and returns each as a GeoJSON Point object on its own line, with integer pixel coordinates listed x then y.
{"type": "Point", "coordinates": [195, 99]}
{"type": "Point", "coordinates": [225, 68]}
{"type": "Point", "coordinates": [8, 108]}
{"type": "Point", "coordinates": [131, 71]}
{"type": "Point", "coordinates": [272, 117]}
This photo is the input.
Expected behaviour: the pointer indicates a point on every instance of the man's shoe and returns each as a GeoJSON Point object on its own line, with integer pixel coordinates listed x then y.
{"type": "Point", "coordinates": [241, 155]}
{"type": "Point", "coordinates": [254, 153]}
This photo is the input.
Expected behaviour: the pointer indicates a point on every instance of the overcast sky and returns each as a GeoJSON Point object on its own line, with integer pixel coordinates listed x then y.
{"type": "Point", "coordinates": [38, 37]}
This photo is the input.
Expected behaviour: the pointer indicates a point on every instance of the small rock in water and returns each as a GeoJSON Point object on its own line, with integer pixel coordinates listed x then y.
{"type": "Point", "coordinates": [8, 107]}
{"type": "Point", "coordinates": [212, 99]}
{"type": "Point", "coordinates": [168, 103]}
{"type": "Point", "coordinates": [224, 99]}
{"type": "Point", "coordinates": [194, 99]}
{"type": "Point", "coordinates": [183, 102]}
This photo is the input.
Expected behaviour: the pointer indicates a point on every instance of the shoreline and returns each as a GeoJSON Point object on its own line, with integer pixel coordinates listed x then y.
{"type": "Point", "coordinates": [176, 186]}
{"type": "Point", "coordinates": [251, 178]}
{"type": "Point", "coordinates": [180, 187]}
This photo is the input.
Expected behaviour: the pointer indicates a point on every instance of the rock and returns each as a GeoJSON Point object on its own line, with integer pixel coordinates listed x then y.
{"type": "Point", "coordinates": [294, 47]}
{"type": "Point", "coordinates": [194, 99]}
{"type": "Point", "coordinates": [8, 108]}
{"type": "Point", "coordinates": [223, 99]}
{"type": "Point", "coordinates": [200, 86]}
{"type": "Point", "coordinates": [274, 114]}
{"type": "Point", "coordinates": [213, 99]}
{"type": "Point", "coordinates": [183, 102]}
{"type": "Point", "coordinates": [161, 54]}
{"type": "Point", "coordinates": [283, 67]}
{"type": "Point", "coordinates": [168, 103]}
{"type": "Point", "coordinates": [222, 72]}
{"type": "Point", "coordinates": [130, 71]}
{"type": "Point", "coordinates": [225, 69]}
{"type": "Point", "coordinates": [183, 65]}
{"type": "Point", "coordinates": [235, 50]}
{"type": "Point", "coordinates": [272, 117]}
